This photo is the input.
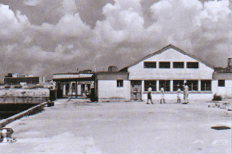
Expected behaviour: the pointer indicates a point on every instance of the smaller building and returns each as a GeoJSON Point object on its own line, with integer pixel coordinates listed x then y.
{"type": "Point", "coordinates": [16, 79]}
{"type": "Point", "coordinates": [223, 77]}
{"type": "Point", "coordinates": [112, 86]}
{"type": "Point", "coordinates": [77, 84]}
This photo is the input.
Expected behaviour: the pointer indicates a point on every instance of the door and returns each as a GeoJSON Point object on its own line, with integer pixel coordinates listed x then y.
{"type": "Point", "coordinates": [136, 89]}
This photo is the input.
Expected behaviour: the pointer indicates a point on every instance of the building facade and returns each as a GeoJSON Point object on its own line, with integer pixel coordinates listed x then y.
{"type": "Point", "coordinates": [112, 86]}
{"type": "Point", "coordinates": [223, 80]}
{"type": "Point", "coordinates": [76, 84]}
{"type": "Point", "coordinates": [16, 79]}
{"type": "Point", "coordinates": [169, 68]}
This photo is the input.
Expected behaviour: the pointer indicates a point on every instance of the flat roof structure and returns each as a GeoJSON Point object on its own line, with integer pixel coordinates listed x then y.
{"type": "Point", "coordinates": [66, 77]}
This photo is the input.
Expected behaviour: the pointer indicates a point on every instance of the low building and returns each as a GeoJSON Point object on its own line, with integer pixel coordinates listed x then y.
{"type": "Point", "coordinates": [16, 79]}
{"type": "Point", "coordinates": [112, 86]}
{"type": "Point", "coordinates": [223, 79]}
{"type": "Point", "coordinates": [77, 84]}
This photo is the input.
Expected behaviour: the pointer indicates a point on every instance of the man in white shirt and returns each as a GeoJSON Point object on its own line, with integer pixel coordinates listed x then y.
{"type": "Point", "coordinates": [162, 100]}
{"type": "Point", "coordinates": [186, 93]}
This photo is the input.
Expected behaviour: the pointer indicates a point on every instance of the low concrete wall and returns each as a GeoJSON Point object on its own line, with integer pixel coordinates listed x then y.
{"type": "Point", "coordinates": [29, 111]}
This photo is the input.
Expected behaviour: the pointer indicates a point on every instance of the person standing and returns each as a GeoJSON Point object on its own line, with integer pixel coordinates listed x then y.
{"type": "Point", "coordinates": [178, 96]}
{"type": "Point", "coordinates": [149, 95]}
{"type": "Point", "coordinates": [162, 100]}
{"type": "Point", "coordinates": [186, 92]}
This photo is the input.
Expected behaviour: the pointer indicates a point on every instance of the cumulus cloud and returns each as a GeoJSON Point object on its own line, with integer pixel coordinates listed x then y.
{"type": "Point", "coordinates": [31, 2]}
{"type": "Point", "coordinates": [123, 22]}
{"type": "Point", "coordinates": [69, 6]}
{"type": "Point", "coordinates": [71, 25]}
{"type": "Point", "coordinates": [78, 34]}
{"type": "Point", "coordinates": [216, 10]}
{"type": "Point", "coordinates": [12, 25]}
{"type": "Point", "coordinates": [195, 26]}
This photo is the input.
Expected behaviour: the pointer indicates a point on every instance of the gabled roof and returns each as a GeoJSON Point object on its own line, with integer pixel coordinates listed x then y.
{"type": "Point", "coordinates": [170, 46]}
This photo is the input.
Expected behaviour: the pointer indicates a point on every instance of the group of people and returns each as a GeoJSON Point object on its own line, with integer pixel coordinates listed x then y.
{"type": "Point", "coordinates": [162, 100]}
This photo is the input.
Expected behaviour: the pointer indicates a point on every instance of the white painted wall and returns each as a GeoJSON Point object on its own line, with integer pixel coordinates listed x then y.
{"type": "Point", "coordinates": [107, 89]}
{"type": "Point", "coordinates": [139, 72]}
{"type": "Point", "coordinates": [225, 92]}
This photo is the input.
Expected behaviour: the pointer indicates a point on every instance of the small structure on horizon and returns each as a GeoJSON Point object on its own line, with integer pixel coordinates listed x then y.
{"type": "Point", "coordinates": [16, 79]}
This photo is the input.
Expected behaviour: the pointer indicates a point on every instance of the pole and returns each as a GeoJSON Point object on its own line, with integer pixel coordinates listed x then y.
{"type": "Point", "coordinates": [76, 88]}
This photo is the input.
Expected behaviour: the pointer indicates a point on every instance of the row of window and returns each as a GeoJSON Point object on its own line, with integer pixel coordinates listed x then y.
{"type": "Point", "coordinates": [177, 84]}
{"type": "Point", "coordinates": [175, 65]}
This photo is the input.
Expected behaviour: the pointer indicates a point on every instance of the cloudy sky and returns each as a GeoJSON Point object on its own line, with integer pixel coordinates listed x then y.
{"type": "Point", "coordinates": [43, 37]}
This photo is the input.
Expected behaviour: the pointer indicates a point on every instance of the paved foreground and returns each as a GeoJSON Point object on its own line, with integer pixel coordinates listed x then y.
{"type": "Point", "coordinates": [122, 128]}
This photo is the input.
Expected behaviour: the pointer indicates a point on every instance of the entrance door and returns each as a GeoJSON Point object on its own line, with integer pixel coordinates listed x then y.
{"type": "Point", "coordinates": [59, 90]}
{"type": "Point", "coordinates": [136, 89]}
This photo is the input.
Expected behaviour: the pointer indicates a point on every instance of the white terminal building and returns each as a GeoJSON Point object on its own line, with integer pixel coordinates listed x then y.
{"type": "Point", "coordinates": [169, 67]}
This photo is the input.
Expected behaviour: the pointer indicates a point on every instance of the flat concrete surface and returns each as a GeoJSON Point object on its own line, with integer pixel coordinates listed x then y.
{"type": "Point", "coordinates": [122, 128]}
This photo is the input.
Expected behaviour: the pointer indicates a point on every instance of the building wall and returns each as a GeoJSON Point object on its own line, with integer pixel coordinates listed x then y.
{"type": "Point", "coordinates": [138, 72]}
{"type": "Point", "coordinates": [108, 90]}
{"type": "Point", "coordinates": [204, 72]}
{"type": "Point", "coordinates": [17, 80]}
{"type": "Point", "coordinates": [226, 91]}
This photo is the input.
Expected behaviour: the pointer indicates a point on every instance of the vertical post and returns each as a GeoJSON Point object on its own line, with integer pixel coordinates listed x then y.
{"type": "Point", "coordinates": [171, 85]}
{"type": "Point", "coordinates": [64, 89]}
{"type": "Point", "coordinates": [76, 88]}
{"type": "Point", "coordinates": [142, 90]}
{"type": "Point", "coordinates": [157, 85]}
{"type": "Point", "coordinates": [199, 85]}
{"type": "Point", "coordinates": [71, 89]}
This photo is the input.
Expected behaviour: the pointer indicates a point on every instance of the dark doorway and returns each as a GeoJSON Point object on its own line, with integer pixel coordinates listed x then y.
{"type": "Point", "coordinates": [136, 89]}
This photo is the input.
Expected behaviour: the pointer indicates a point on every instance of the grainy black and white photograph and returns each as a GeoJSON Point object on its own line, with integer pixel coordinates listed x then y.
{"type": "Point", "coordinates": [115, 76]}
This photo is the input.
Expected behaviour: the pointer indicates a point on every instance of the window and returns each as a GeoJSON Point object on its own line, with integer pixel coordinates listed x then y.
{"type": "Point", "coordinates": [88, 87]}
{"type": "Point", "coordinates": [205, 85]}
{"type": "Point", "coordinates": [165, 84]}
{"type": "Point", "coordinates": [221, 83]}
{"type": "Point", "coordinates": [164, 64]}
{"type": "Point", "coordinates": [178, 84]}
{"type": "Point", "coordinates": [149, 64]}
{"type": "Point", "coordinates": [82, 87]}
{"type": "Point", "coordinates": [178, 64]}
{"type": "Point", "coordinates": [192, 84]}
{"type": "Point", "coordinates": [73, 86]}
{"type": "Point", "coordinates": [119, 83]}
{"type": "Point", "coordinates": [148, 83]}
{"type": "Point", "coordinates": [192, 65]}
